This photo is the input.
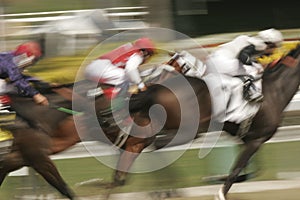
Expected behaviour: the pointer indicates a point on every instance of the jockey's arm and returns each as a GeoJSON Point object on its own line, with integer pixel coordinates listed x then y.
{"type": "Point", "coordinates": [22, 82]}
{"type": "Point", "coordinates": [132, 72]}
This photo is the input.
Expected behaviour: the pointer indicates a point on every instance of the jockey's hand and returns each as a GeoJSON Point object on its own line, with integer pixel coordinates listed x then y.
{"type": "Point", "coordinates": [135, 89]}
{"type": "Point", "coordinates": [142, 87]}
{"type": "Point", "coordinates": [40, 99]}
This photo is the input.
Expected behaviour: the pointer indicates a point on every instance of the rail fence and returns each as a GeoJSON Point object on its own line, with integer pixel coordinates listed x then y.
{"type": "Point", "coordinates": [68, 32]}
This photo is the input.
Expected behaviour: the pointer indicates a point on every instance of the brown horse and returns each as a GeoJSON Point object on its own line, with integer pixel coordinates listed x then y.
{"type": "Point", "coordinates": [280, 82]}
{"type": "Point", "coordinates": [174, 93]}
{"type": "Point", "coordinates": [41, 131]}
{"type": "Point", "coordinates": [34, 140]}
{"type": "Point", "coordinates": [267, 120]}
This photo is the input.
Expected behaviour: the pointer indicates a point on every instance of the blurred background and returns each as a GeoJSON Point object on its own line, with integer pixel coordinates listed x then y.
{"type": "Point", "coordinates": [68, 26]}
{"type": "Point", "coordinates": [69, 29]}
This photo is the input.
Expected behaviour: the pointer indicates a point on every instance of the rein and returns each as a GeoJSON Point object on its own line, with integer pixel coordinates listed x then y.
{"type": "Point", "coordinates": [67, 94]}
{"type": "Point", "coordinates": [65, 110]}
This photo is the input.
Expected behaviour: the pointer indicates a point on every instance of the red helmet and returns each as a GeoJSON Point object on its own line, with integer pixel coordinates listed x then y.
{"type": "Point", "coordinates": [145, 43]}
{"type": "Point", "coordinates": [30, 49]}
{"type": "Point", "coordinates": [27, 53]}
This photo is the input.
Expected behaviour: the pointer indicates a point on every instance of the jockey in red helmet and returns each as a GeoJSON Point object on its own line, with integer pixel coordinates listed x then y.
{"type": "Point", "coordinates": [119, 67]}
{"type": "Point", "coordinates": [27, 53]}
{"type": "Point", "coordinates": [11, 67]}
{"type": "Point", "coordinates": [146, 45]}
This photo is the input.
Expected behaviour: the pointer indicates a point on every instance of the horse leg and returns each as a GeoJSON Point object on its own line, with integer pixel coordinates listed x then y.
{"type": "Point", "coordinates": [251, 147]}
{"type": "Point", "coordinates": [46, 168]}
{"type": "Point", "coordinates": [49, 172]}
{"type": "Point", "coordinates": [37, 156]}
{"type": "Point", "coordinates": [133, 147]}
{"type": "Point", "coordinates": [11, 162]}
{"type": "Point", "coordinates": [127, 157]}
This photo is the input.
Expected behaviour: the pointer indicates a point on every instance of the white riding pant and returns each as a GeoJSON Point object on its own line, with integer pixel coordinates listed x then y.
{"type": "Point", "coordinates": [220, 63]}
{"type": "Point", "coordinates": [102, 70]}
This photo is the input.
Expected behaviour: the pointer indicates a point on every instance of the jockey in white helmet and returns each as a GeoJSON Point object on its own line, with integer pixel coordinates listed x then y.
{"type": "Point", "coordinates": [238, 58]}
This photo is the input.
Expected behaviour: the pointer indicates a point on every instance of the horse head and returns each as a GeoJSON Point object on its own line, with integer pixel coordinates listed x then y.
{"type": "Point", "coordinates": [281, 79]}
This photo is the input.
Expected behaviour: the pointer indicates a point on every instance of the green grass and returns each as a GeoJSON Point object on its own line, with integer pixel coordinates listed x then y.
{"type": "Point", "coordinates": [187, 171]}
{"type": "Point", "coordinates": [287, 194]}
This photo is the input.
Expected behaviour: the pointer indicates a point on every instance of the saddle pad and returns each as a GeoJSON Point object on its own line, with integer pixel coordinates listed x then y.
{"type": "Point", "coordinates": [5, 135]}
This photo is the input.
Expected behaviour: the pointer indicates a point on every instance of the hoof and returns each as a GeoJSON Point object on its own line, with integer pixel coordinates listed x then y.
{"type": "Point", "coordinates": [119, 179]}
{"type": "Point", "coordinates": [220, 195]}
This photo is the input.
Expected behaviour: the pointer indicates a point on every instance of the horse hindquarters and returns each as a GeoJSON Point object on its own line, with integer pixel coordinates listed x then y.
{"type": "Point", "coordinates": [65, 135]}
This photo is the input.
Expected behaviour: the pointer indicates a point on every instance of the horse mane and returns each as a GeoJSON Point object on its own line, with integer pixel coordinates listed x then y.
{"type": "Point", "coordinates": [294, 53]}
{"type": "Point", "coordinates": [275, 72]}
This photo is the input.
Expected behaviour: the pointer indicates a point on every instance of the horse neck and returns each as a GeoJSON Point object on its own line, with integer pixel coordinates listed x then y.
{"type": "Point", "coordinates": [282, 84]}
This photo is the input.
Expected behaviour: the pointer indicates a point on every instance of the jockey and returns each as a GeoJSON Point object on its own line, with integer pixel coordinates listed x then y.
{"type": "Point", "coordinates": [239, 58]}
{"type": "Point", "coordinates": [13, 63]}
{"type": "Point", "coordinates": [119, 67]}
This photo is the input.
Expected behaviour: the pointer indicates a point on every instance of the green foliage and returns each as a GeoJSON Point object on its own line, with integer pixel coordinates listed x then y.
{"type": "Point", "coordinates": [58, 69]}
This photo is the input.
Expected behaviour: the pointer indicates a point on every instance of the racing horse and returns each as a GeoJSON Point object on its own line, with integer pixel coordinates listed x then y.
{"type": "Point", "coordinates": [268, 118]}
{"type": "Point", "coordinates": [281, 81]}
{"type": "Point", "coordinates": [41, 131]}
{"type": "Point", "coordinates": [34, 140]}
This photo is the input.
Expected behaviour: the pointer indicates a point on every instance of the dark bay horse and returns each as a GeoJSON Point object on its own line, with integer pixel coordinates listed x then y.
{"type": "Point", "coordinates": [41, 131]}
{"type": "Point", "coordinates": [280, 83]}
{"type": "Point", "coordinates": [38, 132]}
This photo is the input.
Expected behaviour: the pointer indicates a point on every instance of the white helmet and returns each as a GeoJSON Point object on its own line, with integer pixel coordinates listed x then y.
{"type": "Point", "coordinates": [271, 36]}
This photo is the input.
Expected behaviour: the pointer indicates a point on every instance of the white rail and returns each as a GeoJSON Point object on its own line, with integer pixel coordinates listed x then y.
{"type": "Point", "coordinates": [55, 15]}
{"type": "Point", "coordinates": [294, 104]}
{"type": "Point", "coordinates": [284, 134]}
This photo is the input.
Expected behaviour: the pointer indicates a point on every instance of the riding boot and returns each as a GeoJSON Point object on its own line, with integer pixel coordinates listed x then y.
{"type": "Point", "coordinates": [251, 93]}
